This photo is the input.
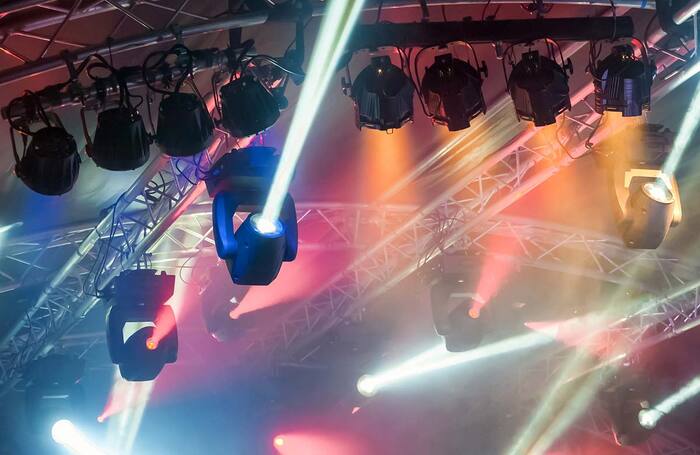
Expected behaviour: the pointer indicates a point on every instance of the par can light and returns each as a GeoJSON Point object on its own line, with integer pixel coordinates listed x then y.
{"type": "Point", "coordinates": [452, 92]}
{"type": "Point", "coordinates": [185, 128]}
{"type": "Point", "coordinates": [623, 81]}
{"type": "Point", "coordinates": [121, 141]}
{"type": "Point", "coordinates": [247, 107]}
{"type": "Point", "coordinates": [50, 163]}
{"type": "Point", "coordinates": [383, 96]}
{"type": "Point", "coordinates": [539, 87]}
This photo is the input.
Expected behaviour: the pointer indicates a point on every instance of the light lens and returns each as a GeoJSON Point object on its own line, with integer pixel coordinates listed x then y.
{"type": "Point", "coordinates": [658, 191]}
{"type": "Point", "coordinates": [278, 441]}
{"type": "Point", "coordinates": [266, 226]}
{"type": "Point", "coordinates": [63, 431]}
{"type": "Point", "coordinates": [367, 385]}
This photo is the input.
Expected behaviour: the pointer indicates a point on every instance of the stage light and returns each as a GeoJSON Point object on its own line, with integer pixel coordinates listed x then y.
{"type": "Point", "coordinates": [54, 392]}
{"type": "Point", "coordinates": [336, 26]}
{"type": "Point", "coordinates": [649, 418]}
{"type": "Point", "coordinates": [383, 96]}
{"type": "Point", "coordinates": [622, 81]}
{"type": "Point", "coordinates": [456, 316]}
{"type": "Point", "coordinates": [121, 142]}
{"type": "Point", "coordinates": [247, 107]}
{"type": "Point", "coordinates": [185, 127]}
{"type": "Point", "coordinates": [438, 358]}
{"type": "Point", "coordinates": [50, 163]}
{"type": "Point", "coordinates": [138, 300]}
{"type": "Point", "coordinates": [65, 433]}
{"type": "Point", "coordinates": [255, 251]}
{"type": "Point", "coordinates": [539, 87]}
{"type": "Point", "coordinates": [452, 92]}
{"type": "Point", "coordinates": [278, 441]}
{"type": "Point", "coordinates": [625, 399]}
{"type": "Point", "coordinates": [646, 199]}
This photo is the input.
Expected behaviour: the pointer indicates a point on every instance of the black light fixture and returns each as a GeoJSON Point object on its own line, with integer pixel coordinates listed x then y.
{"type": "Point", "coordinates": [645, 200]}
{"type": "Point", "coordinates": [451, 89]}
{"type": "Point", "coordinates": [383, 96]}
{"type": "Point", "coordinates": [49, 163]}
{"type": "Point", "coordinates": [623, 81]}
{"type": "Point", "coordinates": [247, 107]}
{"type": "Point", "coordinates": [624, 398]}
{"type": "Point", "coordinates": [54, 391]}
{"type": "Point", "coordinates": [141, 329]}
{"type": "Point", "coordinates": [455, 315]}
{"type": "Point", "coordinates": [121, 141]}
{"type": "Point", "coordinates": [185, 127]}
{"type": "Point", "coordinates": [239, 181]}
{"type": "Point", "coordinates": [539, 87]}
{"type": "Point", "coordinates": [219, 300]}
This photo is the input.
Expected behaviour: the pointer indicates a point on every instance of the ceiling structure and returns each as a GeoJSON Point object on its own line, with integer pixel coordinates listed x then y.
{"type": "Point", "coordinates": [437, 199]}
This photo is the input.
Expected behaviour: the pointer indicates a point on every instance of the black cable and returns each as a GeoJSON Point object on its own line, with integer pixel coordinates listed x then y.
{"type": "Point", "coordinates": [379, 11]}
{"type": "Point", "coordinates": [648, 27]}
{"type": "Point", "coordinates": [444, 14]}
{"type": "Point", "coordinates": [483, 12]}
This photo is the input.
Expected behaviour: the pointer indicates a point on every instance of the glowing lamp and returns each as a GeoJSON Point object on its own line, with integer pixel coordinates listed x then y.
{"type": "Point", "coordinates": [539, 88]}
{"type": "Point", "coordinates": [50, 164]}
{"type": "Point", "coordinates": [247, 107]}
{"type": "Point", "coordinates": [623, 81]}
{"type": "Point", "coordinates": [383, 96]}
{"type": "Point", "coordinates": [254, 252]}
{"type": "Point", "coordinates": [367, 386]}
{"type": "Point", "coordinates": [455, 316]}
{"type": "Point", "coordinates": [121, 142]}
{"type": "Point", "coordinates": [452, 91]}
{"type": "Point", "coordinates": [138, 299]}
{"type": "Point", "coordinates": [185, 128]}
{"type": "Point", "coordinates": [278, 441]}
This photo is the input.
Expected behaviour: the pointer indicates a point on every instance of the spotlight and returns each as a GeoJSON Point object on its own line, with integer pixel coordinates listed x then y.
{"type": "Point", "coordinates": [121, 142]}
{"type": "Point", "coordinates": [649, 418]}
{"type": "Point", "coordinates": [278, 441]}
{"type": "Point", "coordinates": [185, 127]}
{"type": "Point", "coordinates": [367, 385]}
{"type": "Point", "coordinates": [452, 92]}
{"type": "Point", "coordinates": [623, 82]}
{"type": "Point", "coordinates": [539, 88]}
{"type": "Point", "coordinates": [383, 96]}
{"type": "Point", "coordinates": [54, 391]}
{"type": "Point", "coordinates": [138, 306]}
{"type": "Point", "coordinates": [456, 317]}
{"type": "Point", "coordinates": [247, 107]}
{"type": "Point", "coordinates": [50, 164]}
{"type": "Point", "coordinates": [625, 400]}
{"type": "Point", "coordinates": [646, 200]}
{"type": "Point", "coordinates": [254, 253]}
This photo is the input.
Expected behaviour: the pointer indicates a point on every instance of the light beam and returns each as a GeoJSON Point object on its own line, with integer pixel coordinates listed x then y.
{"type": "Point", "coordinates": [685, 134]}
{"type": "Point", "coordinates": [66, 434]}
{"type": "Point", "coordinates": [649, 418]}
{"type": "Point", "coordinates": [439, 358]}
{"type": "Point", "coordinates": [336, 26]}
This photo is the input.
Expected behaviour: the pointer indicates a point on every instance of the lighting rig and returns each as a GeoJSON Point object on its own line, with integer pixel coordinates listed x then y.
{"type": "Point", "coordinates": [141, 328]}
{"type": "Point", "coordinates": [450, 89]}
{"type": "Point", "coordinates": [646, 200]}
{"type": "Point", "coordinates": [254, 252]}
{"type": "Point", "coordinates": [248, 104]}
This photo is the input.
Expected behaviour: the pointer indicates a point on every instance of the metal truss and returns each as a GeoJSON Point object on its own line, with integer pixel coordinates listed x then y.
{"type": "Point", "coordinates": [138, 218]}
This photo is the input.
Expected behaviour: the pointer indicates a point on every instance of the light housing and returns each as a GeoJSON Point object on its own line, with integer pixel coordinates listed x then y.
{"type": "Point", "coordinates": [185, 127]}
{"type": "Point", "coordinates": [247, 107]}
{"type": "Point", "coordinates": [138, 298]}
{"type": "Point", "coordinates": [624, 399]}
{"type": "Point", "coordinates": [645, 200]}
{"type": "Point", "coordinates": [50, 164]}
{"type": "Point", "coordinates": [539, 87]}
{"type": "Point", "coordinates": [451, 89]}
{"type": "Point", "coordinates": [240, 181]}
{"type": "Point", "coordinates": [383, 96]}
{"type": "Point", "coordinates": [622, 82]}
{"type": "Point", "coordinates": [121, 141]}
{"type": "Point", "coordinates": [452, 316]}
